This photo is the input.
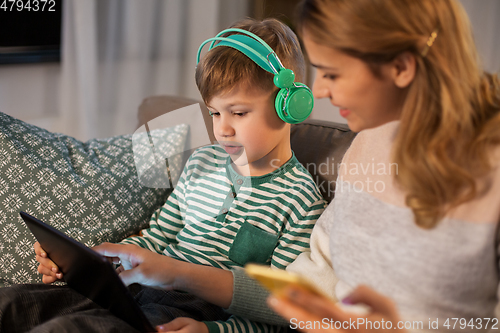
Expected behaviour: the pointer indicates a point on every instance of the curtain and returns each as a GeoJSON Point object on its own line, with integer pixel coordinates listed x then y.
{"type": "Point", "coordinates": [117, 52]}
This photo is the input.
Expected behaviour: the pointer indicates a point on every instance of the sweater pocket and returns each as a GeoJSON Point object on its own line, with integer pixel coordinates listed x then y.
{"type": "Point", "coordinates": [252, 244]}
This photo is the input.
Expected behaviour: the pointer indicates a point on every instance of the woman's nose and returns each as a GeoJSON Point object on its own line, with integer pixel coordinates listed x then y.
{"type": "Point", "coordinates": [319, 88]}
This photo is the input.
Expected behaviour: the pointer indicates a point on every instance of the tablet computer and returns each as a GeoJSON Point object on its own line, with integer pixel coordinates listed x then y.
{"type": "Point", "coordinates": [88, 273]}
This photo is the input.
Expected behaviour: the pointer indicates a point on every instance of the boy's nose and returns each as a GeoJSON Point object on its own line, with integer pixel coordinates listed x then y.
{"type": "Point", "coordinates": [224, 128]}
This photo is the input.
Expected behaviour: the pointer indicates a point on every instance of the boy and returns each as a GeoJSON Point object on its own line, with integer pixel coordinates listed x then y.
{"type": "Point", "coordinates": [246, 199]}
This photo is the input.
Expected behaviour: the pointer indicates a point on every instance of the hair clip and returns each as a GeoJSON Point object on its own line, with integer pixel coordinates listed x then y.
{"type": "Point", "coordinates": [429, 43]}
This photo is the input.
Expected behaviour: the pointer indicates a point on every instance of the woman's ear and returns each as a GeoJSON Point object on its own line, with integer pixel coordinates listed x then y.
{"type": "Point", "coordinates": [404, 67]}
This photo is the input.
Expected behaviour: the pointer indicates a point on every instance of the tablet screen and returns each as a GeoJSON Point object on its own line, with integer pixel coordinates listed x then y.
{"type": "Point", "coordinates": [88, 273]}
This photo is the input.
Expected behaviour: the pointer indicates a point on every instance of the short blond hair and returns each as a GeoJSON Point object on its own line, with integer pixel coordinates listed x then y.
{"type": "Point", "coordinates": [222, 68]}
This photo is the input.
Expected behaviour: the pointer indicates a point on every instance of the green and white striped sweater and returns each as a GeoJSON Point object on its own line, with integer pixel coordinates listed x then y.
{"type": "Point", "coordinates": [219, 218]}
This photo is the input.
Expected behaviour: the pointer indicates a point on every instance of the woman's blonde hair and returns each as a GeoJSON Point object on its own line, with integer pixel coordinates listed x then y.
{"type": "Point", "coordinates": [450, 120]}
{"type": "Point", "coordinates": [222, 68]}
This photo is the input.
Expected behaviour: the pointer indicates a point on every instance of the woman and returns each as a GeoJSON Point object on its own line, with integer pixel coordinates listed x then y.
{"type": "Point", "coordinates": [406, 75]}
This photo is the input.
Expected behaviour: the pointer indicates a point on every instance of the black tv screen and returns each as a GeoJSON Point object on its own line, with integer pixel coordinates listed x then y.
{"type": "Point", "coordinates": [30, 31]}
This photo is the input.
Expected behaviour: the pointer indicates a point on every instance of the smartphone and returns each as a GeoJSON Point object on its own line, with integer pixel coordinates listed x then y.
{"type": "Point", "coordinates": [276, 280]}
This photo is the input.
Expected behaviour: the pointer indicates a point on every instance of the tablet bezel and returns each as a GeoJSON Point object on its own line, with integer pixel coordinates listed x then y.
{"type": "Point", "coordinates": [88, 273]}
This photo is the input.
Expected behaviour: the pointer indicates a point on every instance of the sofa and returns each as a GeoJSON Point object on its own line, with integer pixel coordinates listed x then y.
{"type": "Point", "coordinates": [96, 191]}
{"type": "Point", "coordinates": [318, 145]}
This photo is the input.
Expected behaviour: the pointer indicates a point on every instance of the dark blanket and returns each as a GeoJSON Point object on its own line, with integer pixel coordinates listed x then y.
{"type": "Point", "coordinates": [49, 308]}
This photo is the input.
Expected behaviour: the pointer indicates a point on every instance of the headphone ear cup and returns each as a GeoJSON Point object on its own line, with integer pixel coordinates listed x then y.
{"type": "Point", "coordinates": [293, 105]}
{"type": "Point", "coordinates": [284, 79]}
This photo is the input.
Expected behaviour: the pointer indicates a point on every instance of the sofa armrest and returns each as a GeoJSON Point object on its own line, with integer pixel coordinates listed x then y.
{"type": "Point", "coordinates": [155, 106]}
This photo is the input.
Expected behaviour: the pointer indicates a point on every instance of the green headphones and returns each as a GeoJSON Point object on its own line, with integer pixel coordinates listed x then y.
{"type": "Point", "coordinates": [294, 101]}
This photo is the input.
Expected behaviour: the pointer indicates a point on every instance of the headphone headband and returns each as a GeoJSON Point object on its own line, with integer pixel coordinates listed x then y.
{"type": "Point", "coordinates": [294, 101]}
{"type": "Point", "coordinates": [248, 33]}
{"type": "Point", "coordinates": [250, 45]}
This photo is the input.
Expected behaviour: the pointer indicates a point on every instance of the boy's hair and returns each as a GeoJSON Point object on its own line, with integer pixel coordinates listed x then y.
{"type": "Point", "coordinates": [223, 67]}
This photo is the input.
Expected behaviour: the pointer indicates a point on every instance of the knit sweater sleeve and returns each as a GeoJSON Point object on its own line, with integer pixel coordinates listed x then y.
{"type": "Point", "coordinates": [249, 298]}
{"type": "Point", "coordinates": [258, 317]}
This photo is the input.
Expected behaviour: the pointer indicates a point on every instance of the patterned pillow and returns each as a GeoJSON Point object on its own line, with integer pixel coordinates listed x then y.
{"type": "Point", "coordinates": [88, 190]}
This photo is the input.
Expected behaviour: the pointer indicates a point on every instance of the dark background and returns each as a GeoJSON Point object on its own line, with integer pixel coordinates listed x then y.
{"type": "Point", "coordinates": [27, 36]}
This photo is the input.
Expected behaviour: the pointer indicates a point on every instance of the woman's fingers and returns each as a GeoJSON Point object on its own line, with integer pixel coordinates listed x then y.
{"type": "Point", "coordinates": [365, 295]}
{"type": "Point", "coordinates": [299, 305]}
{"type": "Point", "coordinates": [288, 310]}
{"type": "Point", "coordinates": [319, 305]}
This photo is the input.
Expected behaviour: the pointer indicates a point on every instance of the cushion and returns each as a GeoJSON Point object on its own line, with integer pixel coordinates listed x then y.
{"type": "Point", "coordinates": [88, 190]}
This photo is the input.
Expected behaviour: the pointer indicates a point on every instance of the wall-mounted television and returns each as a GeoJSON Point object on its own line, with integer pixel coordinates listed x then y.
{"type": "Point", "coordinates": [30, 31]}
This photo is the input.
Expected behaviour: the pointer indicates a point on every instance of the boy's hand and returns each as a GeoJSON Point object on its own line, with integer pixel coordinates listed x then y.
{"type": "Point", "coordinates": [184, 325]}
{"type": "Point", "coordinates": [47, 267]}
{"type": "Point", "coordinates": [139, 265]}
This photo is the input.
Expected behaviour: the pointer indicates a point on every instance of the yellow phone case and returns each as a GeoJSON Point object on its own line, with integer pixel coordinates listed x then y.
{"type": "Point", "coordinates": [277, 280]}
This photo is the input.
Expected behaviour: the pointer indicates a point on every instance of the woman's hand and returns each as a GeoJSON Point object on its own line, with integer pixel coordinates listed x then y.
{"type": "Point", "coordinates": [183, 325]}
{"type": "Point", "coordinates": [139, 265]}
{"type": "Point", "coordinates": [302, 308]}
{"type": "Point", "coordinates": [49, 270]}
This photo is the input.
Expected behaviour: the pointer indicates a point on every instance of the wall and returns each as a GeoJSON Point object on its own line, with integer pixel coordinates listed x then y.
{"type": "Point", "coordinates": [30, 92]}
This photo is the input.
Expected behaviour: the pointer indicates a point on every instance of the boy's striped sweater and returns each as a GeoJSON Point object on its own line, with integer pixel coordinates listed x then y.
{"type": "Point", "coordinates": [219, 218]}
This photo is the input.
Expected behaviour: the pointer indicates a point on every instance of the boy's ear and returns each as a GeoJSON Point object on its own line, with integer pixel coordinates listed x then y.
{"type": "Point", "coordinates": [404, 67]}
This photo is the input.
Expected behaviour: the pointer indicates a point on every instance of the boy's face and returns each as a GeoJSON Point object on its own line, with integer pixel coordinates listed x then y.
{"type": "Point", "coordinates": [248, 128]}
